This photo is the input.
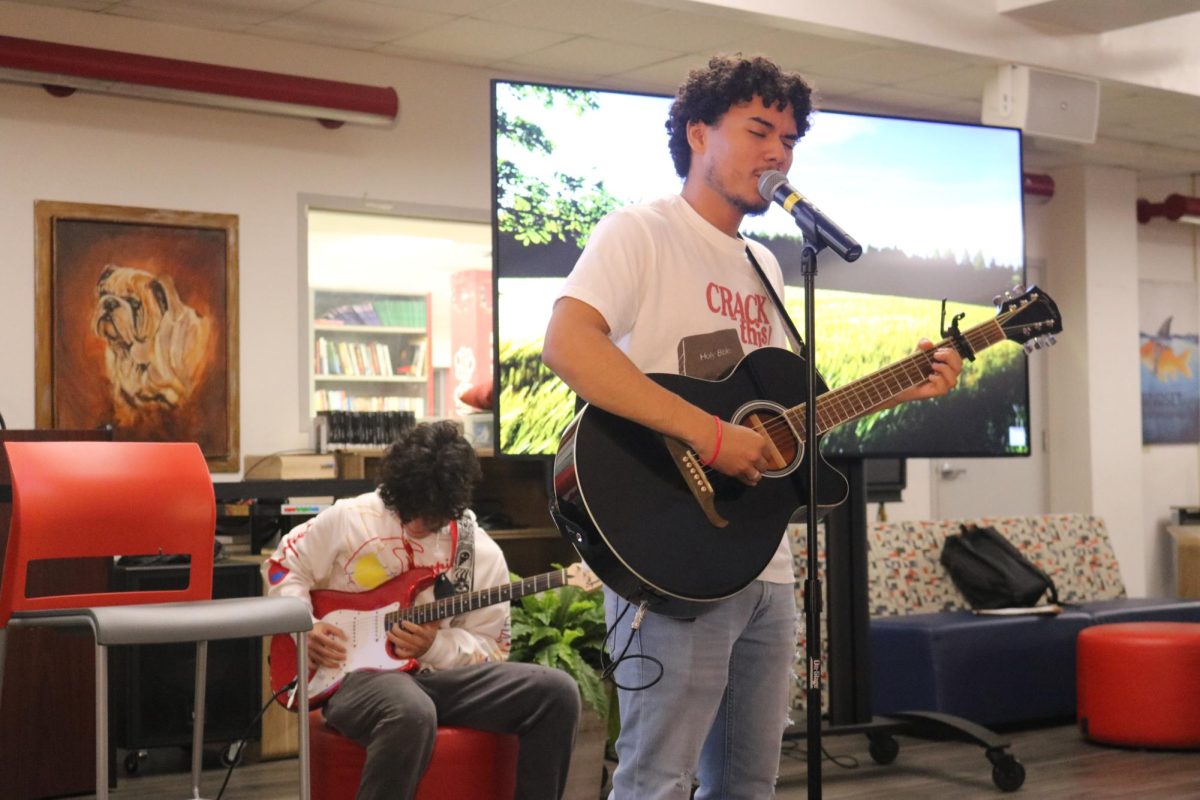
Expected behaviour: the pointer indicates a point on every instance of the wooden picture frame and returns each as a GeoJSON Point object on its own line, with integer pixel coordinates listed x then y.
{"type": "Point", "coordinates": [137, 324]}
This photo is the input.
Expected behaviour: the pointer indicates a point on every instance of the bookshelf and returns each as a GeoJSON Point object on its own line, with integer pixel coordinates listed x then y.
{"type": "Point", "coordinates": [370, 351]}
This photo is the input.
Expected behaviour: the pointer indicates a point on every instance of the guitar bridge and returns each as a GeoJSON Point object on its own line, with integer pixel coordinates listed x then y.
{"type": "Point", "coordinates": [692, 470]}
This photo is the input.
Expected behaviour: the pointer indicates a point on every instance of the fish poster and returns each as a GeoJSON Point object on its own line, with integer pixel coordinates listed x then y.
{"type": "Point", "coordinates": [1168, 345]}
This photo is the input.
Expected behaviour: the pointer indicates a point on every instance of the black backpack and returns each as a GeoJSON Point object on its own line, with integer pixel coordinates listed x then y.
{"type": "Point", "coordinates": [991, 573]}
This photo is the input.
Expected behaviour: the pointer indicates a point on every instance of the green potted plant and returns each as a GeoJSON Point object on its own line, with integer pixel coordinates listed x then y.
{"type": "Point", "coordinates": [564, 629]}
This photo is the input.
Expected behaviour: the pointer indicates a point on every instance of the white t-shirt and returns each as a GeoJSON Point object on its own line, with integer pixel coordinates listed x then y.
{"type": "Point", "coordinates": [660, 272]}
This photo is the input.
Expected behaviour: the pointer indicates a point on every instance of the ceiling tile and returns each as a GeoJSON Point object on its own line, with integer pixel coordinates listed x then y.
{"type": "Point", "coordinates": [828, 87]}
{"type": "Point", "coordinates": [1185, 142]}
{"type": "Point", "coordinates": [891, 65]}
{"type": "Point", "coordinates": [793, 50]}
{"type": "Point", "coordinates": [899, 101]}
{"type": "Point", "coordinates": [959, 111]}
{"type": "Point", "coordinates": [350, 21]}
{"type": "Point", "coordinates": [562, 75]}
{"type": "Point", "coordinates": [227, 14]}
{"type": "Point", "coordinates": [680, 31]}
{"type": "Point", "coordinates": [81, 5]}
{"type": "Point", "coordinates": [665, 77]}
{"type": "Point", "coordinates": [568, 16]}
{"type": "Point", "coordinates": [962, 82]}
{"type": "Point", "coordinates": [474, 41]}
{"type": "Point", "coordinates": [453, 7]}
{"type": "Point", "coordinates": [595, 56]}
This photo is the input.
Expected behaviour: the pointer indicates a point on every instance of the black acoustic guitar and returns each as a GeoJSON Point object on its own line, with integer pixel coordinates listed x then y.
{"type": "Point", "coordinates": [659, 528]}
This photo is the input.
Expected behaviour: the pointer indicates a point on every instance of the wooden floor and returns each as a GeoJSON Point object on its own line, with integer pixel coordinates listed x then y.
{"type": "Point", "coordinates": [1058, 765]}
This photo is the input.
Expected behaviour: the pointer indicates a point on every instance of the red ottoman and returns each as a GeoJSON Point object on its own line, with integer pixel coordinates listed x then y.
{"type": "Point", "coordinates": [1139, 684]}
{"type": "Point", "coordinates": [466, 763]}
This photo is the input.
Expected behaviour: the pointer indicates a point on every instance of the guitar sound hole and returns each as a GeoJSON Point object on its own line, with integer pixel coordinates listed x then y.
{"type": "Point", "coordinates": [776, 428]}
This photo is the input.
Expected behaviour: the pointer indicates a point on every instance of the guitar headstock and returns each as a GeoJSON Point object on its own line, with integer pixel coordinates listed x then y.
{"type": "Point", "coordinates": [579, 576]}
{"type": "Point", "coordinates": [1029, 317]}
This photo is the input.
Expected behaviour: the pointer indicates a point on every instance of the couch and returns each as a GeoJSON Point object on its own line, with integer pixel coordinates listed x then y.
{"type": "Point", "coordinates": [929, 652]}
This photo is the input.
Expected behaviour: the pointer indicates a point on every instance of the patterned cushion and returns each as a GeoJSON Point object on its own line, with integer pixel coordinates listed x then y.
{"type": "Point", "coordinates": [906, 576]}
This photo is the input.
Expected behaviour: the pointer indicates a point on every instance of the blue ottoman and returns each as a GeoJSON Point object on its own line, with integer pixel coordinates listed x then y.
{"type": "Point", "coordinates": [985, 669]}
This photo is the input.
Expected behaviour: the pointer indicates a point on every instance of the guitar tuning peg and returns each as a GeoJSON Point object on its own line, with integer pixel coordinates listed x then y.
{"type": "Point", "coordinates": [1019, 289]}
{"type": "Point", "coordinates": [1027, 347]}
{"type": "Point", "coordinates": [997, 300]}
{"type": "Point", "coordinates": [1051, 340]}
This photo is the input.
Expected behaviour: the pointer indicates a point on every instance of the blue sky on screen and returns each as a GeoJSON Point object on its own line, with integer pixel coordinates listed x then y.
{"type": "Point", "coordinates": [914, 185]}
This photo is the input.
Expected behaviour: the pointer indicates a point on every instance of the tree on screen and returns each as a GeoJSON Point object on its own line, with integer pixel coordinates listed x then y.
{"type": "Point", "coordinates": [532, 209]}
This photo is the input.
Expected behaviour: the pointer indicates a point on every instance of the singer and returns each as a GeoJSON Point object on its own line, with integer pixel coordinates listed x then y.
{"type": "Point", "coordinates": [656, 285]}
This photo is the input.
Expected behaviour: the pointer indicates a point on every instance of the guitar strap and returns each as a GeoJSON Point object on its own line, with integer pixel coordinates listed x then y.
{"type": "Point", "coordinates": [460, 577]}
{"type": "Point", "coordinates": [793, 334]}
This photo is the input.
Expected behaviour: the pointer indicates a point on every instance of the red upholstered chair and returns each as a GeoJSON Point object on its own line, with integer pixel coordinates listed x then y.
{"type": "Point", "coordinates": [466, 763]}
{"type": "Point", "coordinates": [78, 500]}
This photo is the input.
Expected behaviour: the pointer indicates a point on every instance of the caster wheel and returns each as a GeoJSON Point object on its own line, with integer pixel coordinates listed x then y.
{"type": "Point", "coordinates": [1008, 774]}
{"type": "Point", "coordinates": [232, 754]}
{"type": "Point", "coordinates": [883, 749]}
{"type": "Point", "coordinates": [133, 761]}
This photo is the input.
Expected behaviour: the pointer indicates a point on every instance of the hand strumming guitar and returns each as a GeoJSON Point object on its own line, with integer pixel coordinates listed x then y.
{"type": "Point", "coordinates": [325, 648]}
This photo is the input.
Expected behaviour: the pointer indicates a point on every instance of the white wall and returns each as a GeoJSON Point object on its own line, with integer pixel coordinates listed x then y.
{"type": "Point", "coordinates": [97, 149]}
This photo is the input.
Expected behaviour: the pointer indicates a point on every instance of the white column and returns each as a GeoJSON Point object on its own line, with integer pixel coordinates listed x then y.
{"type": "Point", "coordinates": [1095, 436]}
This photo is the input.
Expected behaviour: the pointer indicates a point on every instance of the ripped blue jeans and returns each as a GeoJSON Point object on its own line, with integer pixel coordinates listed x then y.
{"type": "Point", "coordinates": [719, 712]}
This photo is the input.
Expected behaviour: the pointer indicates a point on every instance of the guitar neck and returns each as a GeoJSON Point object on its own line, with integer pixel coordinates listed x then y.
{"type": "Point", "coordinates": [861, 397]}
{"type": "Point", "coordinates": [469, 601]}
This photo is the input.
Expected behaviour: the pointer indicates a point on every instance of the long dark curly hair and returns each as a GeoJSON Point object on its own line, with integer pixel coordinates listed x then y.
{"type": "Point", "coordinates": [428, 473]}
{"type": "Point", "coordinates": [731, 79]}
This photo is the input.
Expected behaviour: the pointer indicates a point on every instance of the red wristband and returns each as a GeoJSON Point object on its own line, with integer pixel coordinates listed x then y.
{"type": "Point", "coordinates": [717, 449]}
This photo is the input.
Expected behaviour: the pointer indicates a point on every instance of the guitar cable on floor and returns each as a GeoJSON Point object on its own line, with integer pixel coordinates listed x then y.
{"type": "Point", "coordinates": [240, 742]}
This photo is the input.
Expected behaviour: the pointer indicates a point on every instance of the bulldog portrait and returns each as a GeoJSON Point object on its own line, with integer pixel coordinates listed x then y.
{"type": "Point", "coordinates": [155, 342]}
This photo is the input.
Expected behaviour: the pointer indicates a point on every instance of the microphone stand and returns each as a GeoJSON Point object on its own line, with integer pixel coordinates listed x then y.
{"type": "Point", "coordinates": [812, 581]}
{"type": "Point", "coordinates": [814, 242]}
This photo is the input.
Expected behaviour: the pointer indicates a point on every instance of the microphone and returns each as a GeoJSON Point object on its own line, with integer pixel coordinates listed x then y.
{"type": "Point", "coordinates": [773, 187]}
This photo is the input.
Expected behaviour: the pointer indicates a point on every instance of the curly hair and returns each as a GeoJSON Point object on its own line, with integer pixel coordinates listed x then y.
{"type": "Point", "coordinates": [428, 473]}
{"type": "Point", "coordinates": [709, 93]}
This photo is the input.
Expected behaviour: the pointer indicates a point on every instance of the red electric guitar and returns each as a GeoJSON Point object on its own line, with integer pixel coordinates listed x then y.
{"type": "Point", "coordinates": [365, 618]}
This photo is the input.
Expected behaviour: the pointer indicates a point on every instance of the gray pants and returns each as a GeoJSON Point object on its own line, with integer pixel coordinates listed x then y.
{"type": "Point", "coordinates": [395, 716]}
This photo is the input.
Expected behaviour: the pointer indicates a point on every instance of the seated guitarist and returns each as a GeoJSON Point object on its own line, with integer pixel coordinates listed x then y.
{"type": "Point", "coordinates": [657, 281]}
{"type": "Point", "coordinates": [418, 518]}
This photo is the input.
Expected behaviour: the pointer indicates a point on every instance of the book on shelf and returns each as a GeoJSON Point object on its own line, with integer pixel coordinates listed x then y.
{"type": "Point", "coordinates": [418, 364]}
{"type": "Point", "coordinates": [345, 359]}
{"type": "Point", "coordinates": [235, 544]}
{"type": "Point", "coordinates": [366, 314]}
{"type": "Point", "coordinates": [340, 400]}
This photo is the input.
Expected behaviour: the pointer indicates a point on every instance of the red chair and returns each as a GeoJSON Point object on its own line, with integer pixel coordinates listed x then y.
{"type": "Point", "coordinates": [466, 763]}
{"type": "Point", "coordinates": [74, 500]}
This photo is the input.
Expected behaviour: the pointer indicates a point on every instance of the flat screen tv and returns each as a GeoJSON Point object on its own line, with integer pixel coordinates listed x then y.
{"type": "Point", "coordinates": [937, 207]}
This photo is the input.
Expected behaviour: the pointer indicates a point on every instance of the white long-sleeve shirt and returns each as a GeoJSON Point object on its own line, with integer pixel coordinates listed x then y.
{"type": "Point", "coordinates": [358, 544]}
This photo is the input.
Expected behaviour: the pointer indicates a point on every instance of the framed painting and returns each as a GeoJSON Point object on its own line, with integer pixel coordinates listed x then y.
{"type": "Point", "coordinates": [137, 324]}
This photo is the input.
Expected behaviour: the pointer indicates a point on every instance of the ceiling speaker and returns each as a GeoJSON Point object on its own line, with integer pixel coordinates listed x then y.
{"type": "Point", "coordinates": [1053, 105]}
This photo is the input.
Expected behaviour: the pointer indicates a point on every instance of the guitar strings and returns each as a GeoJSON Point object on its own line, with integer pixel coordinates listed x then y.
{"type": "Point", "coordinates": [842, 397]}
